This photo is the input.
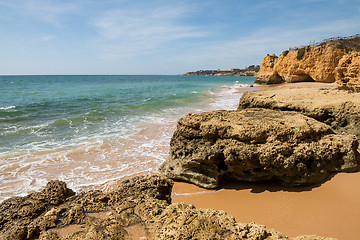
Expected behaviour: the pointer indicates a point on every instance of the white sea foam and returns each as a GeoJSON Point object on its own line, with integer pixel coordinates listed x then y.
{"type": "Point", "coordinates": [195, 193]}
{"type": "Point", "coordinates": [226, 99]}
{"type": "Point", "coordinates": [133, 145]}
{"type": "Point", "coordinates": [210, 92]}
{"type": "Point", "coordinates": [95, 162]}
{"type": "Point", "coordinates": [7, 108]}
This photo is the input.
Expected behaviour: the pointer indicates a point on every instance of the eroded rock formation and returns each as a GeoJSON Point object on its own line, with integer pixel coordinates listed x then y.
{"type": "Point", "coordinates": [257, 145]}
{"type": "Point", "coordinates": [348, 72]}
{"type": "Point", "coordinates": [140, 207]}
{"type": "Point", "coordinates": [323, 102]}
{"type": "Point", "coordinates": [267, 74]}
{"type": "Point", "coordinates": [56, 213]}
{"type": "Point", "coordinates": [314, 63]}
{"type": "Point", "coordinates": [317, 64]}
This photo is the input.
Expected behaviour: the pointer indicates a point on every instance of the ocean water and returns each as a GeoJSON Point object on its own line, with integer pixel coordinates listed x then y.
{"type": "Point", "coordinates": [94, 131]}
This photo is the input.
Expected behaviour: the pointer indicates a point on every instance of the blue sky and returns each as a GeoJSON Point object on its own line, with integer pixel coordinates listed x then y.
{"type": "Point", "coordinates": [160, 37]}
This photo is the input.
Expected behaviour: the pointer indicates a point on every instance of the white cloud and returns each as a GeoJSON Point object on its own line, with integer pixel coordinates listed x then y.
{"type": "Point", "coordinates": [252, 48]}
{"type": "Point", "coordinates": [46, 38]}
{"type": "Point", "coordinates": [127, 32]}
{"type": "Point", "coordinates": [43, 10]}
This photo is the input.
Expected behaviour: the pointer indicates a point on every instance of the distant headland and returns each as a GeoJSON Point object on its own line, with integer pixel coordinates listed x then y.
{"type": "Point", "coordinates": [249, 71]}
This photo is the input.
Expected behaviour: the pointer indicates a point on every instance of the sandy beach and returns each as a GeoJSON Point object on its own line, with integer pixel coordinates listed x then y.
{"type": "Point", "coordinates": [330, 210]}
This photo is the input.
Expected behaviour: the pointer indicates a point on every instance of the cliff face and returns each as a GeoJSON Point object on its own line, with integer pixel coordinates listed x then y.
{"type": "Point", "coordinates": [333, 61]}
{"type": "Point", "coordinates": [301, 65]}
{"type": "Point", "coordinates": [267, 74]}
{"type": "Point", "coordinates": [348, 72]}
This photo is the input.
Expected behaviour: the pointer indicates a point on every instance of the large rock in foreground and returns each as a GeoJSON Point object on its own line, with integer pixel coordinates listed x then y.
{"type": "Point", "coordinates": [57, 213]}
{"type": "Point", "coordinates": [257, 145]}
{"type": "Point", "coordinates": [140, 208]}
{"type": "Point", "coordinates": [337, 108]}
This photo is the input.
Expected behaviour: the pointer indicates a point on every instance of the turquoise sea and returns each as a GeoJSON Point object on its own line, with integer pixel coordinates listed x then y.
{"type": "Point", "coordinates": [93, 131]}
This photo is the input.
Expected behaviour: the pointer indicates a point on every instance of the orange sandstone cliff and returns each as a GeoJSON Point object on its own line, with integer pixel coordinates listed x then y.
{"type": "Point", "coordinates": [348, 72]}
{"type": "Point", "coordinates": [330, 61]}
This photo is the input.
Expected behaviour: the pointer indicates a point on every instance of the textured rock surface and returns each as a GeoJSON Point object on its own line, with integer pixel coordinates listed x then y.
{"type": "Point", "coordinates": [139, 205]}
{"type": "Point", "coordinates": [337, 108]}
{"type": "Point", "coordinates": [267, 74]}
{"type": "Point", "coordinates": [256, 145]}
{"type": "Point", "coordinates": [20, 217]}
{"type": "Point", "coordinates": [317, 63]}
{"type": "Point", "coordinates": [179, 221]}
{"type": "Point", "coordinates": [348, 72]}
{"type": "Point", "coordinates": [90, 215]}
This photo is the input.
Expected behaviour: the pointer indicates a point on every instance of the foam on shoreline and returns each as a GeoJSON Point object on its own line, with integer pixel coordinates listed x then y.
{"type": "Point", "coordinates": [102, 162]}
{"type": "Point", "coordinates": [328, 210]}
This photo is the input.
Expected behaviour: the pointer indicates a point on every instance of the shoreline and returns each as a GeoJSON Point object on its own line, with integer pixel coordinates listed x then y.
{"type": "Point", "coordinates": [329, 209]}
{"type": "Point", "coordinates": [103, 163]}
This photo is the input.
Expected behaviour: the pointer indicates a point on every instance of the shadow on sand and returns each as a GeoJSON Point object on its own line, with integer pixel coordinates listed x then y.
{"type": "Point", "coordinates": [270, 186]}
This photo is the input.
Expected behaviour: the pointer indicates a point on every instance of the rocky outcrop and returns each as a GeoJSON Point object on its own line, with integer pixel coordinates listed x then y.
{"type": "Point", "coordinates": [256, 145]}
{"type": "Point", "coordinates": [267, 74]}
{"type": "Point", "coordinates": [311, 63]}
{"type": "Point", "coordinates": [323, 102]}
{"type": "Point", "coordinates": [56, 213]}
{"type": "Point", "coordinates": [140, 208]}
{"type": "Point", "coordinates": [20, 217]}
{"type": "Point", "coordinates": [348, 72]}
{"type": "Point", "coordinates": [317, 64]}
{"type": "Point", "coordinates": [182, 221]}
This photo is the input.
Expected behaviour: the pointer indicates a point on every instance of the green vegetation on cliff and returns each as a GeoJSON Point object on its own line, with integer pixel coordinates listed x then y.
{"type": "Point", "coordinates": [285, 53]}
{"type": "Point", "coordinates": [300, 53]}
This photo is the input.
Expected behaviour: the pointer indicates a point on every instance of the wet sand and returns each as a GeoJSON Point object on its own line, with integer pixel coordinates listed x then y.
{"type": "Point", "coordinates": [103, 163]}
{"type": "Point", "coordinates": [331, 209]}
